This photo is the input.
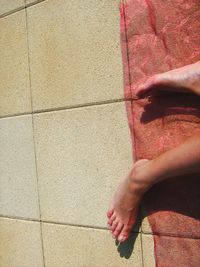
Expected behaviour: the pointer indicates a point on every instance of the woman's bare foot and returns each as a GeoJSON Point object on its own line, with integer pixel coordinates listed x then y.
{"type": "Point", "coordinates": [185, 79]}
{"type": "Point", "coordinates": [122, 214]}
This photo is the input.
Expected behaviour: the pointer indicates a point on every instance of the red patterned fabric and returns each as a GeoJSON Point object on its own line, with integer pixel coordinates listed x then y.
{"type": "Point", "coordinates": [157, 36]}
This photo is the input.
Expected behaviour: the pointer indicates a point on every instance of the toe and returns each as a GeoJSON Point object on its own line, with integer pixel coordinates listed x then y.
{"type": "Point", "coordinates": [114, 225]}
{"type": "Point", "coordinates": [124, 235]}
{"type": "Point", "coordinates": [121, 238]}
{"type": "Point", "coordinates": [112, 218]}
{"type": "Point", "coordinates": [110, 212]}
{"type": "Point", "coordinates": [117, 230]}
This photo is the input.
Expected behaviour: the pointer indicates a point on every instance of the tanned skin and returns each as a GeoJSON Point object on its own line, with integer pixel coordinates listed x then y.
{"type": "Point", "coordinates": [184, 159]}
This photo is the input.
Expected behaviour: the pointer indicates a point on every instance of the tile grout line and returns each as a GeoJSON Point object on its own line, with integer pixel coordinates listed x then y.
{"type": "Point", "coordinates": [39, 205]}
{"type": "Point", "coordinates": [29, 66]}
{"type": "Point", "coordinates": [91, 227]}
{"type": "Point", "coordinates": [85, 105]}
{"type": "Point", "coordinates": [34, 3]}
{"type": "Point", "coordinates": [58, 223]}
{"type": "Point", "coordinates": [92, 104]}
{"type": "Point", "coordinates": [6, 14]}
{"type": "Point", "coordinates": [15, 10]}
{"type": "Point", "coordinates": [33, 136]}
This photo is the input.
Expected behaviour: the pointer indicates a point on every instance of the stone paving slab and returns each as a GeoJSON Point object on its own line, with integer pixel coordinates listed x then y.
{"type": "Point", "coordinates": [75, 55]}
{"type": "Point", "coordinates": [82, 154]}
{"type": "Point", "coordinates": [77, 246]}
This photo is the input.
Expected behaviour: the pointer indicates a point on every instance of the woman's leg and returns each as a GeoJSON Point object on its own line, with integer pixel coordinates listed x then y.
{"type": "Point", "coordinates": [122, 214]}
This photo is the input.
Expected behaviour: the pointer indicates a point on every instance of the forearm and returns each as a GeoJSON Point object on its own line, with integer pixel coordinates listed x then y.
{"type": "Point", "coordinates": [183, 159]}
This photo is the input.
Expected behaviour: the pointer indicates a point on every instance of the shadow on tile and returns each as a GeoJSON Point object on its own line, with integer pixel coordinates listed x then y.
{"type": "Point", "coordinates": [125, 249]}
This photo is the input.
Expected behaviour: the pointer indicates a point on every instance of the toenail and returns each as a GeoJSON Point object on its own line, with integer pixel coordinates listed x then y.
{"type": "Point", "coordinates": [110, 221]}
{"type": "Point", "coordinates": [109, 213]}
{"type": "Point", "coordinates": [120, 238]}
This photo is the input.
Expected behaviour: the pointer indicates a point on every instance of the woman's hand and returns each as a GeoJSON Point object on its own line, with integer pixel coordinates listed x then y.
{"type": "Point", "coordinates": [185, 79]}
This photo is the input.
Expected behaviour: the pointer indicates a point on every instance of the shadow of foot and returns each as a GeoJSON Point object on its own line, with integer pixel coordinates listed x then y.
{"type": "Point", "coordinates": [126, 248]}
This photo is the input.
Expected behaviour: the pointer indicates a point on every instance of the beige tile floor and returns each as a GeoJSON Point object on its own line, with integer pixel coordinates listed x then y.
{"type": "Point", "coordinates": [61, 162]}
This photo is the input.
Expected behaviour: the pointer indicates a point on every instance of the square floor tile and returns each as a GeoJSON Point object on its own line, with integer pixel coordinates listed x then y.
{"type": "Point", "coordinates": [20, 244]}
{"type": "Point", "coordinates": [76, 246]}
{"type": "Point", "coordinates": [82, 154]}
{"type": "Point", "coordinates": [17, 168]}
{"type": "Point", "coordinates": [75, 53]}
{"type": "Point", "coordinates": [14, 71]}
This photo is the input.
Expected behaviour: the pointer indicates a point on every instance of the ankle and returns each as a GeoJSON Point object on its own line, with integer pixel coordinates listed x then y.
{"type": "Point", "coordinates": [140, 180]}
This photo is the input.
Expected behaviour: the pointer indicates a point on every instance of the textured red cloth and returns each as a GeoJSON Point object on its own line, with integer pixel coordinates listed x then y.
{"type": "Point", "coordinates": [157, 36]}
